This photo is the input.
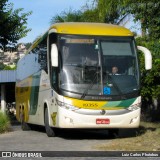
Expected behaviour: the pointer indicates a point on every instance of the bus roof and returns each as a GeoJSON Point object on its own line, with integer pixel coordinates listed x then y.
{"type": "Point", "coordinates": [82, 28]}
{"type": "Point", "coordinates": [85, 28]}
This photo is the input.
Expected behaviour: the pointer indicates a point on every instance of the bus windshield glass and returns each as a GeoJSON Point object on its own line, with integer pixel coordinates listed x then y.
{"type": "Point", "coordinates": [98, 65]}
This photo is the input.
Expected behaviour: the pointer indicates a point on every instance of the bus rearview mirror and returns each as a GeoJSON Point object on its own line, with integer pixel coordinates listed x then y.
{"type": "Point", "coordinates": [147, 56]}
{"type": "Point", "coordinates": [54, 55]}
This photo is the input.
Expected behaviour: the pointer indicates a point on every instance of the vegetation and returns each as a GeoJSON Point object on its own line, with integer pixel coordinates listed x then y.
{"type": "Point", "coordinates": [28, 45]}
{"type": "Point", "coordinates": [68, 16]}
{"type": "Point", "coordinates": [150, 84]}
{"type": "Point", "coordinates": [9, 68]}
{"type": "Point", "coordinates": [2, 66]}
{"type": "Point", "coordinates": [4, 123]}
{"type": "Point", "coordinates": [13, 24]}
{"type": "Point", "coordinates": [145, 138]}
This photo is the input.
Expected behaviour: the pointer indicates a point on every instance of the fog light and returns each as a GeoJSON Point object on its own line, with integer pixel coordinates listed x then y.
{"type": "Point", "coordinates": [68, 120]}
{"type": "Point", "coordinates": [133, 120]}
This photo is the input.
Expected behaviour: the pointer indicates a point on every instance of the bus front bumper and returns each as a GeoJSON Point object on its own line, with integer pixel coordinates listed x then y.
{"type": "Point", "coordinates": [71, 119]}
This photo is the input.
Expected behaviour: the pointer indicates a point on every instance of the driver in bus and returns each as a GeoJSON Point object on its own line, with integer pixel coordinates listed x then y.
{"type": "Point", "coordinates": [115, 70]}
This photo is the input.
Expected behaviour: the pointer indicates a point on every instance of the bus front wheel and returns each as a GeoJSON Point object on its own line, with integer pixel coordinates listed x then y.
{"type": "Point", "coordinates": [49, 131]}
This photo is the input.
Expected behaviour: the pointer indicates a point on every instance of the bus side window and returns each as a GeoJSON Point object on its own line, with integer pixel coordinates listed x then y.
{"type": "Point", "coordinates": [42, 55]}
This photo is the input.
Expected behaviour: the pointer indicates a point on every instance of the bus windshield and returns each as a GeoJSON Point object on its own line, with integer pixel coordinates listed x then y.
{"type": "Point", "coordinates": [98, 65]}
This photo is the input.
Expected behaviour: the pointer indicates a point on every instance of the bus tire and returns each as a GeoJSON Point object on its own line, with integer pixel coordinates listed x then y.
{"type": "Point", "coordinates": [49, 131]}
{"type": "Point", "coordinates": [24, 126]}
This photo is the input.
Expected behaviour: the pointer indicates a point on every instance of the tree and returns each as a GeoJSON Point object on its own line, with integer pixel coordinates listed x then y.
{"type": "Point", "coordinates": [105, 11]}
{"type": "Point", "coordinates": [28, 45]}
{"type": "Point", "coordinates": [145, 11]}
{"type": "Point", "coordinates": [2, 66]}
{"type": "Point", "coordinates": [110, 11]}
{"type": "Point", "coordinates": [12, 24]}
{"type": "Point", "coordinates": [69, 16]}
{"type": "Point", "coordinates": [150, 84]}
{"type": "Point", "coordinates": [90, 16]}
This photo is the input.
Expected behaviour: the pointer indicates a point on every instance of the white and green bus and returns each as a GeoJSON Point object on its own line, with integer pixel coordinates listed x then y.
{"type": "Point", "coordinates": [66, 81]}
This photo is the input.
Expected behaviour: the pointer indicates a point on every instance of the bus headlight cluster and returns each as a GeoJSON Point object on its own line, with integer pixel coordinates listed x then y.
{"type": "Point", "coordinates": [134, 107]}
{"type": "Point", "coordinates": [66, 106]}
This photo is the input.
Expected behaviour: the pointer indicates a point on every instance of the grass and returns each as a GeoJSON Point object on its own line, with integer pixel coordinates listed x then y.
{"type": "Point", "coordinates": [4, 123]}
{"type": "Point", "coordinates": [145, 138]}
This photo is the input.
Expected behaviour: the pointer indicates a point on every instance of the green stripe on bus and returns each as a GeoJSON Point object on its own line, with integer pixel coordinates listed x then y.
{"type": "Point", "coordinates": [34, 93]}
{"type": "Point", "coordinates": [121, 104]}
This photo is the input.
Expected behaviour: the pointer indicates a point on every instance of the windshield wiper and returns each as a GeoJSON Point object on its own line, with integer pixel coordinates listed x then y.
{"type": "Point", "coordinates": [90, 86]}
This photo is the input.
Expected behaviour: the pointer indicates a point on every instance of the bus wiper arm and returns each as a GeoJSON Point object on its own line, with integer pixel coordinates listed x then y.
{"type": "Point", "coordinates": [90, 86]}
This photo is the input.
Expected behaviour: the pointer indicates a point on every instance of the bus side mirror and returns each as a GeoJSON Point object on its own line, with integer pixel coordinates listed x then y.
{"type": "Point", "coordinates": [147, 56]}
{"type": "Point", "coordinates": [54, 55]}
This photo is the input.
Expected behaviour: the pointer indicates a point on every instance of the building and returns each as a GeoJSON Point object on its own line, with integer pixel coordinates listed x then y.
{"type": "Point", "coordinates": [21, 50]}
{"type": "Point", "coordinates": [8, 77]}
{"type": "Point", "coordinates": [7, 87]}
{"type": "Point", "coordinates": [10, 56]}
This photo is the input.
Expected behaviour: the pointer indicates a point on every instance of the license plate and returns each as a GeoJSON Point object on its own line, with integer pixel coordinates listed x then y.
{"type": "Point", "coordinates": [102, 121]}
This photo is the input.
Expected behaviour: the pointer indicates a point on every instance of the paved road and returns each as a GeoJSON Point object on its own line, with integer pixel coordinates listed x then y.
{"type": "Point", "coordinates": [37, 140]}
{"type": "Point", "coordinates": [67, 140]}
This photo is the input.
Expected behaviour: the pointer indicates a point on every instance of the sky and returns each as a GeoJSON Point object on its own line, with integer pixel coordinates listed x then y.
{"type": "Point", "coordinates": [42, 12]}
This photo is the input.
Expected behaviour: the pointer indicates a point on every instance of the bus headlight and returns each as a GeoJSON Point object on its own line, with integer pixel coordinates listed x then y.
{"type": "Point", "coordinates": [134, 107]}
{"type": "Point", "coordinates": [66, 106]}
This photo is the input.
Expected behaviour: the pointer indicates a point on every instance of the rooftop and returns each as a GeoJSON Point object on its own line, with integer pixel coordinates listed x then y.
{"type": "Point", "coordinates": [7, 76]}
